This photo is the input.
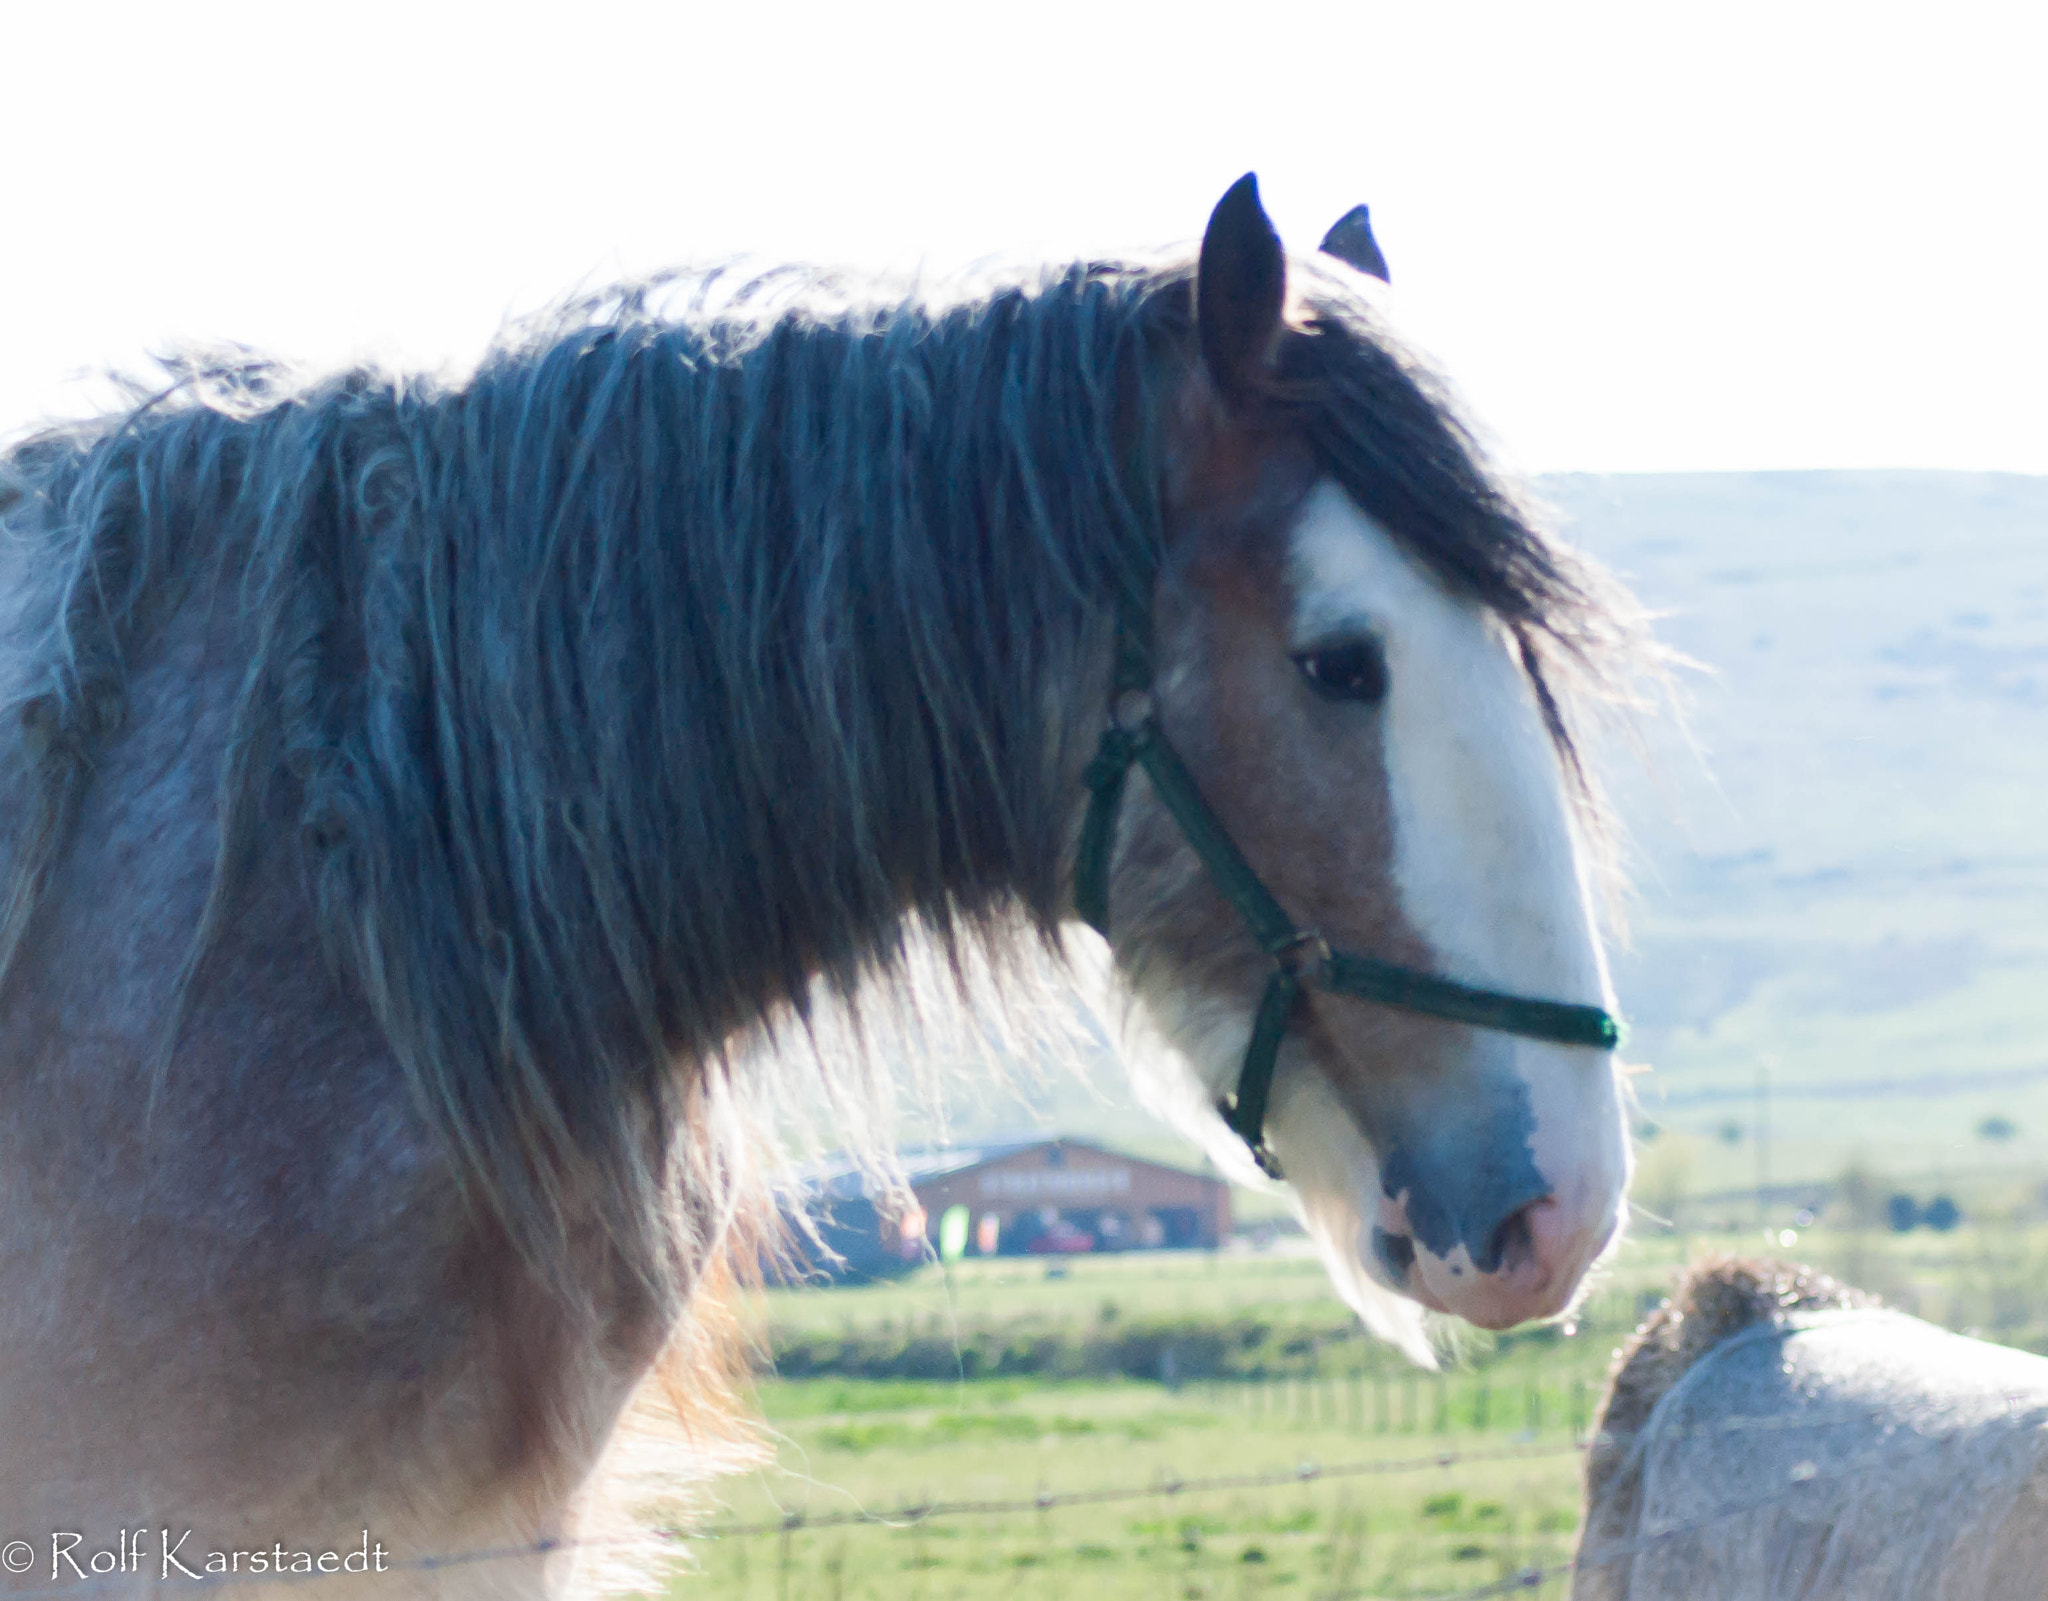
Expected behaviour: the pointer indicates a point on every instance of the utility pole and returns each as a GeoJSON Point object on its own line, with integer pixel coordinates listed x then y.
{"type": "Point", "coordinates": [1763, 1147]}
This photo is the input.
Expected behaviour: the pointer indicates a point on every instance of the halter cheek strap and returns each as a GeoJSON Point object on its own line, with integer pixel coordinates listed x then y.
{"type": "Point", "coordinates": [1299, 956]}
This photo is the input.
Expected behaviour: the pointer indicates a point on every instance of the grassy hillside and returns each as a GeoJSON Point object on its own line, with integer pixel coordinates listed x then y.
{"type": "Point", "coordinates": [1846, 887]}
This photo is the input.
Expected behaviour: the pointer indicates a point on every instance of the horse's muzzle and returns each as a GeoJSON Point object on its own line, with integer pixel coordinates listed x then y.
{"type": "Point", "coordinates": [1536, 1257]}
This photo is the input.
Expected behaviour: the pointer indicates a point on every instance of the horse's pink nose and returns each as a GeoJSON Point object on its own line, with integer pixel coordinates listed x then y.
{"type": "Point", "coordinates": [1541, 1251]}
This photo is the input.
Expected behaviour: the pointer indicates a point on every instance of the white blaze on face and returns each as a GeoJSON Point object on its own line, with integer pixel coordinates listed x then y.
{"type": "Point", "coordinates": [1485, 862]}
{"type": "Point", "coordinates": [1484, 858]}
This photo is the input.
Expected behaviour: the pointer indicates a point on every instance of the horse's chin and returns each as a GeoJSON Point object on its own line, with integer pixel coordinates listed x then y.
{"type": "Point", "coordinates": [1332, 1177]}
{"type": "Point", "coordinates": [1179, 1050]}
{"type": "Point", "coordinates": [1401, 1319]}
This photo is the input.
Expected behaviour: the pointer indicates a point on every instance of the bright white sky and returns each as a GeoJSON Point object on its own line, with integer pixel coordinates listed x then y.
{"type": "Point", "coordinates": [1639, 237]}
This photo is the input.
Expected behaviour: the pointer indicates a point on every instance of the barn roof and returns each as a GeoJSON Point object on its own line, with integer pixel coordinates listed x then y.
{"type": "Point", "coordinates": [840, 1178]}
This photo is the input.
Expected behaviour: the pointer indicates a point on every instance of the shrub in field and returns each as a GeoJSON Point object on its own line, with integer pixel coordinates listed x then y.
{"type": "Point", "coordinates": [1187, 1348]}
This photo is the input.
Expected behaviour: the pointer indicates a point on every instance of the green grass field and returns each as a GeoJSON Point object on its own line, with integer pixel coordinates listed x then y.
{"type": "Point", "coordinates": [884, 1448]}
{"type": "Point", "coordinates": [1376, 1480]}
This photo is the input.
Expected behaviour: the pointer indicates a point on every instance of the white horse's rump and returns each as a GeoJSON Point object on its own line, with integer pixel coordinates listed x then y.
{"type": "Point", "coordinates": [1771, 1434]}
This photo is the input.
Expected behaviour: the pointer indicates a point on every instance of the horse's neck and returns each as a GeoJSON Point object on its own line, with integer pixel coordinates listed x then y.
{"type": "Point", "coordinates": [934, 807]}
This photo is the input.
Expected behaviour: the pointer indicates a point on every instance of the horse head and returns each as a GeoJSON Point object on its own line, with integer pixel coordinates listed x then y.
{"type": "Point", "coordinates": [1350, 680]}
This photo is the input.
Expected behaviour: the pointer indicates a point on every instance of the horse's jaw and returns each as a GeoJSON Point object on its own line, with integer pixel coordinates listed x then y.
{"type": "Point", "coordinates": [1183, 1052]}
{"type": "Point", "coordinates": [1365, 1225]}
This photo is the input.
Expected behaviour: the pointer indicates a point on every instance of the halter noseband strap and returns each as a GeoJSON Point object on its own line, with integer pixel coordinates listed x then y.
{"type": "Point", "coordinates": [1299, 956]}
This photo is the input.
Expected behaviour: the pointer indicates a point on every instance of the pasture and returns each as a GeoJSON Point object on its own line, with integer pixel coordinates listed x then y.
{"type": "Point", "coordinates": [1372, 1478]}
{"type": "Point", "coordinates": [884, 1446]}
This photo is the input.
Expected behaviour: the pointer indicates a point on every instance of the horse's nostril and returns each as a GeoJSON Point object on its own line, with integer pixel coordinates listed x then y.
{"type": "Point", "coordinates": [1513, 1244]}
{"type": "Point", "coordinates": [1396, 1253]}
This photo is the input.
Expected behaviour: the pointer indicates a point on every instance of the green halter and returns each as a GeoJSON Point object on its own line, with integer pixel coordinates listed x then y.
{"type": "Point", "coordinates": [1300, 956]}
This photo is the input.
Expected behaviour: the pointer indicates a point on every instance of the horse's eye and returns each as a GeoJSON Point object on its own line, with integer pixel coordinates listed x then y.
{"type": "Point", "coordinates": [1355, 670]}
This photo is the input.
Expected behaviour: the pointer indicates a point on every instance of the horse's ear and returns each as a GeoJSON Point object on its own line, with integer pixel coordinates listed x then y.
{"type": "Point", "coordinates": [1350, 240]}
{"type": "Point", "coordinates": [1240, 287]}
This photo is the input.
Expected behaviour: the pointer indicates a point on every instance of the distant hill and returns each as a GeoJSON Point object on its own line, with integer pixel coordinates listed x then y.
{"type": "Point", "coordinates": [1852, 891]}
{"type": "Point", "coordinates": [1847, 884]}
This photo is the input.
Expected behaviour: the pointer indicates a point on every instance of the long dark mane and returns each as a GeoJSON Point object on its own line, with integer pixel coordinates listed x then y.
{"type": "Point", "coordinates": [612, 696]}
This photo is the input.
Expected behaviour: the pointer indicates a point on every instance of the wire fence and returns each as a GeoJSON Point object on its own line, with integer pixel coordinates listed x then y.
{"type": "Point", "coordinates": [1805, 1481]}
{"type": "Point", "coordinates": [1165, 1487]}
{"type": "Point", "coordinates": [1900, 1440]}
{"type": "Point", "coordinates": [674, 1536]}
